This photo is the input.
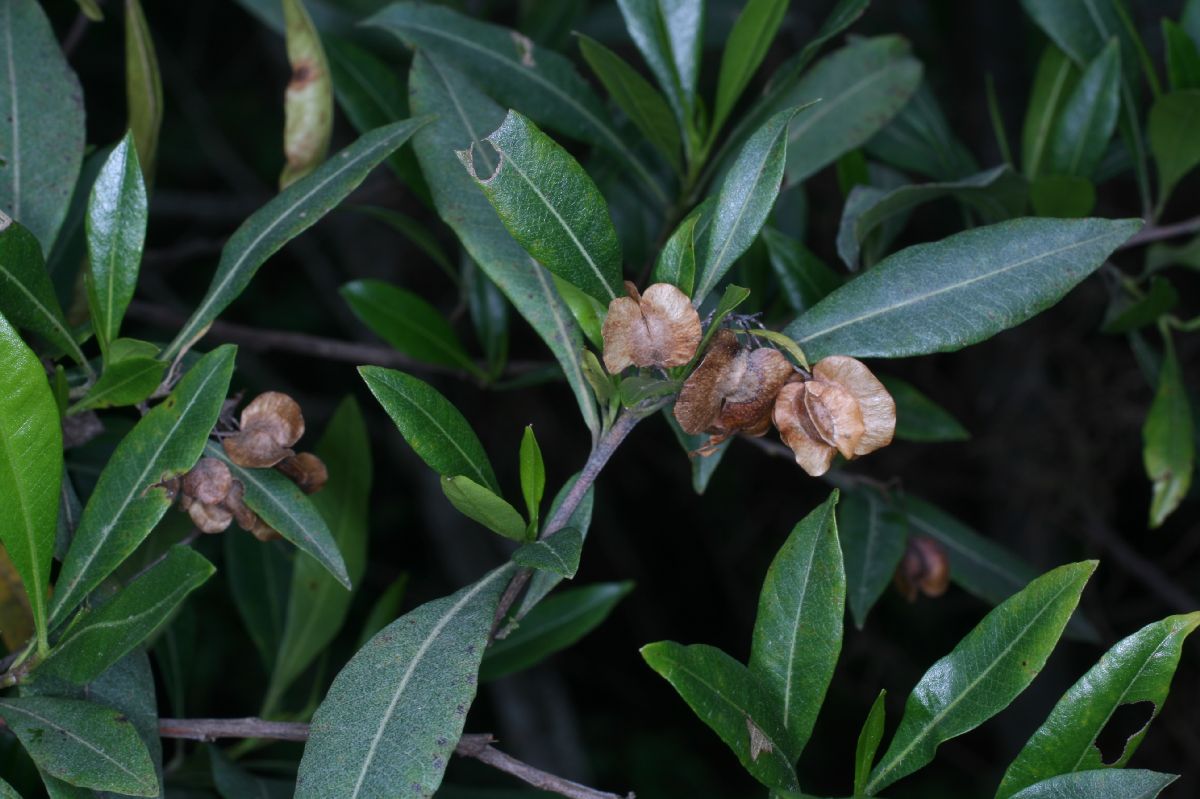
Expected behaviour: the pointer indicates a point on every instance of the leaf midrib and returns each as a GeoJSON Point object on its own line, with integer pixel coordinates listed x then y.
{"type": "Point", "coordinates": [65, 731]}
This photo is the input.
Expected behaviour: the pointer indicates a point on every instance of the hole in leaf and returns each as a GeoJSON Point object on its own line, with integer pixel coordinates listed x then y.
{"type": "Point", "coordinates": [1125, 722]}
{"type": "Point", "coordinates": [485, 160]}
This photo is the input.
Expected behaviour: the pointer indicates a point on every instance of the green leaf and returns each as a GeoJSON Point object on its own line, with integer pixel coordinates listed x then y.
{"type": "Point", "coordinates": [543, 582]}
{"type": "Point", "coordinates": [552, 626]}
{"type": "Point", "coordinates": [783, 344]}
{"type": "Point", "coordinates": [395, 712]}
{"type": "Point", "coordinates": [290, 213]}
{"type": "Point", "coordinates": [748, 42]}
{"type": "Point", "coordinates": [281, 504]}
{"type": "Point", "coordinates": [488, 309]}
{"type": "Point", "coordinates": [41, 124]}
{"type": "Point", "coordinates": [669, 35]}
{"type": "Point", "coordinates": [1160, 298]}
{"type": "Point", "coordinates": [124, 382]}
{"type": "Point", "coordinates": [919, 139]}
{"type": "Point", "coordinates": [703, 467]}
{"type": "Point", "coordinates": [308, 102]}
{"type": "Point", "coordinates": [1161, 255]}
{"type": "Point", "coordinates": [1054, 81]}
{"type": "Point", "coordinates": [1137, 669]}
{"type": "Point", "coordinates": [802, 277]}
{"type": "Point", "coordinates": [976, 283]}
{"type": "Point", "coordinates": [1101, 784]}
{"type": "Point", "coordinates": [1168, 440]}
{"type": "Point", "coordinates": [31, 470]}
{"type": "Point", "coordinates": [433, 427]}
{"type": "Point", "coordinates": [557, 553]}
{"type": "Point", "coordinates": [640, 101]}
{"type": "Point", "coordinates": [745, 199]}
{"type": "Point", "coordinates": [588, 312]}
{"type": "Point", "coordinates": [997, 194]}
{"type": "Point", "coordinates": [259, 575]}
{"type": "Point", "coordinates": [408, 323]}
{"type": "Point", "coordinates": [516, 73]}
{"type": "Point", "coordinates": [731, 700]}
{"type": "Point", "coordinates": [101, 637]}
{"type": "Point", "coordinates": [1172, 127]}
{"type": "Point", "coordinates": [549, 205]}
{"type": "Point", "coordinates": [868, 742]}
{"type": "Point", "coordinates": [1183, 57]}
{"type": "Point", "coordinates": [873, 534]}
{"type": "Point", "coordinates": [533, 474]}
{"type": "Point", "coordinates": [82, 743]}
{"type": "Point", "coordinates": [384, 611]}
{"type": "Point", "coordinates": [984, 673]}
{"type": "Point", "coordinates": [128, 499]}
{"type": "Point", "coordinates": [636, 389]}
{"type": "Point", "coordinates": [918, 418]}
{"type": "Point", "coordinates": [318, 604]}
{"type": "Point", "coordinates": [860, 88]}
{"type": "Point", "coordinates": [143, 87]}
{"type": "Point", "coordinates": [798, 632]}
{"type": "Point", "coordinates": [234, 782]}
{"type": "Point", "coordinates": [484, 506]}
{"type": "Point", "coordinates": [1063, 196]}
{"type": "Point", "coordinates": [1088, 117]}
{"type": "Point", "coordinates": [117, 229]}
{"type": "Point", "coordinates": [26, 294]}
{"type": "Point", "coordinates": [676, 262]}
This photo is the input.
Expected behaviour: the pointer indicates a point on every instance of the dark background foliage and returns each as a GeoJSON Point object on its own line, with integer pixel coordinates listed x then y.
{"type": "Point", "coordinates": [1053, 470]}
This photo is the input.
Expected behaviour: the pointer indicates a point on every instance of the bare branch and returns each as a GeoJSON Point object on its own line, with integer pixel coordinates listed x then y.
{"type": "Point", "coordinates": [209, 730]}
{"type": "Point", "coordinates": [1152, 233]}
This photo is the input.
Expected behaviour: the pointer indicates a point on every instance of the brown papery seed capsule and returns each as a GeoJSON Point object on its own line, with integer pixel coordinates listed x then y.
{"type": "Point", "coordinates": [306, 470]}
{"type": "Point", "coordinates": [659, 329]}
{"type": "Point", "coordinates": [924, 569]}
{"type": "Point", "coordinates": [208, 481]}
{"type": "Point", "coordinates": [270, 425]}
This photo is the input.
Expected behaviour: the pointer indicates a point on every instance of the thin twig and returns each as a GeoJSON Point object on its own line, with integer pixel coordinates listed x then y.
{"type": "Point", "coordinates": [1152, 233]}
{"type": "Point", "coordinates": [480, 748]}
{"type": "Point", "coordinates": [210, 730]}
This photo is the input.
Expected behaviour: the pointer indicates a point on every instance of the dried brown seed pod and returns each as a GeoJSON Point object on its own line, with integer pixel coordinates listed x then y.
{"type": "Point", "coordinates": [209, 518]}
{"type": "Point", "coordinates": [877, 406]}
{"type": "Point", "coordinates": [659, 328]}
{"type": "Point", "coordinates": [924, 569]}
{"type": "Point", "coordinates": [704, 391]}
{"type": "Point", "coordinates": [265, 532]}
{"type": "Point", "coordinates": [791, 417]}
{"type": "Point", "coordinates": [235, 503]}
{"type": "Point", "coordinates": [835, 414]}
{"type": "Point", "coordinates": [306, 470]}
{"type": "Point", "coordinates": [271, 424]}
{"type": "Point", "coordinates": [747, 408]}
{"type": "Point", "coordinates": [208, 481]}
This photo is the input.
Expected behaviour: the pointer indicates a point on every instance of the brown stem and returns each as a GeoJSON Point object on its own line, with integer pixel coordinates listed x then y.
{"type": "Point", "coordinates": [1152, 233]}
{"type": "Point", "coordinates": [480, 748]}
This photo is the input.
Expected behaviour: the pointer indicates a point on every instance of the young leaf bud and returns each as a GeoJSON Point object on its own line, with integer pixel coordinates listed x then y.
{"type": "Point", "coordinates": [924, 569]}
{"type": "Point", "coordinates": [306, 470]}
{"type": "Point", "coordinates": [659, 328]}
{"type": "Point", "coordinates": [271, 424]}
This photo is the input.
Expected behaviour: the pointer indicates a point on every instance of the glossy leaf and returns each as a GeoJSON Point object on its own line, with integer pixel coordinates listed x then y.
{"type": "Point", "coordinates": [1168, 440]}
{"type": "Point", "coordinates": [1101, 784]}
{"type": "Point", "coordinates": [748, 42]}
{"type": "Point", "coordinates": [395, 712]}
{"type": "Point", "coordinates": [1054, 81]}
{"type": "Point", "coordinates": [516, 73]}
{"type": "Point", "coordinates": [116, 231]}
{"type": "Point", "coordinates": [82, 743]}
{"type": "Point", "coordinates": [308, 101]}
{"type": "Point", "coordinates": [143, 87]}
{"type": "Point", "coordinates": [31, 470]}
{"type": "Point", "coordinates": [26, 295]}
{"type": "Point", "coordinates": [533, 474]}
{"type": "Point", "coordinates": [1088, 117]}
{"type": "Point", "coordinates": [41, 124]}
{"type": "Point", "coordinates": [1137, 669]}
{"type": "Point", "coordinates": [919, 139]}
{"type": "Point", "coordinates": [803, 278]}
{"type": "Point", "coordinates": [286, 216]}
{"type": "Point", "coordinates": [676, 262]}
{"type": "Point", "coordinates": [99, 638]}
{"type": "Point", "coordinates": [484, 506]}
{"type": "Point", "coordinates": [124, 382]}
{"type": "Point", "coordinates": [798, 631]}
{"type": "Point", "coordinates": [1172, 129]}
{"type": "Point", "coordinates": [282, 505]}
{"type": "Point", "coordinates": [557, 553]}
{"type": "Point", "coordinates": [988, 668]}
{"type": "Point", "coordinates": [868, 742]}
{"type": "Point", "coordinates": [640, 101]}
{"type": "Point", "coordinates": [976, 283]}
{"type": "Point", "coordinates": [128, 499]}
{"type": "Point", "coordinates": [407, 322]}
{"type": "Point", "coordinates": [745, 199]}
{"type": "Point", "coordinates": [731, 700]}
{"type": "Point", "coordinates": [318, 604]}
{"type": "Point", "coordinates": [918, 418]}
{"type": "Point", "coordinates": [549, 205]}
{"type": "Point", "coordinates": [544, 582]}
{"type": "Point", "coordinates": [552, 626]}
{"type": "Point", "coordinates": [433, 427]}
{"type": "Point", "coordinates": [873, 533]}
{"type": "Point", "coordinates": [669, 35]}
{"type": "Point", "coordinates": [1183, 57]}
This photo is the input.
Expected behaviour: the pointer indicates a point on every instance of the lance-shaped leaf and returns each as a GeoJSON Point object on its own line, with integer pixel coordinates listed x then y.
{"type": "Point", "coordinates": [30, 470]}
{"type": "Point", "coordinates": [143, 87]}
{"type": "Point", "coordinates": [549, 205]}
{"type": "Point", "coordinates": [26, 295]}
{"type": "Point", "coordinates": [798, 632]}
{"type": "Point", "coordinates": [116, 230]}
{"type": "Point", "coordinates": [803, 279]}
{"type": "Point", "coordinates": [281, 504]}
{"type": "Point", "coordinates": [101, 637]}
{"type": "Point", "coordinates": [542, 84]}
{"type": "Point", "coordinates": [669, 35]}
{"type": "Point", "coordinates": [395, 712]}
{"type": "Point", "coordinates": [1168, 441]}
{"type": "Point", "coordinates": [308, 102]}
{"type": "Point", "coordinates": [259, 574]}
{"type": "Point", "coordinates": [124, 382]}
{"type": "Point", "coordinates": [129, 499]}
{"type": "Point", "coordinates": [745, 200]}
{"type": "Point", "coordinates": [543, 582]}
{"type": "Point", "coordinates": [289, 214]}
{"type": "Point", "coordinates": [551, 627]}
{"type": "Point", "coordinates": [731, 700]}
{"type": "Point", "coordinates": [432, 426]}
{"type": "Point", "coordinates": [873, 534]}
{"type": "Point", "coordinates": [676, 262]}
{"type": "Point", "coordinates": [986, 670]}
{"type": "Point", "coordinates": [975, 283]}
{"type": "Point", "coordinates": [748, 42]}
{"type": "Point", "coordinates": [918, 418]}
{"type": "Point", "coordinates": [234, 782]}
{"type": "Point", "coordinates": [868, 742]}
{"type": "Point", "coordinates": [82, 743]}
{"type": "Point", "coordinates": [1137, 669]}
{"type": "Point", "coordinates": [1052, 83]}
{"type": "Point", "coordinates": [41, 122]}
{"type": "Point", "coordinates": [484, 506]}
{"type": "Point", "coordinates": [1183, 56]}
{"type": "Point", "coordinates": [557, 553]}
{"type": "Point", "coordinates": [434, 87]}
{"type": "Point", "coordinates": [919, 139]}
{"type": "Point", "coordinates": [533, 474]}
{"type": "Point", "coordinates": [1172, 129]}
{"type": "Point", "coordinates": [318, 603]}
{"type": "Point", "coordinates": [1101, 784]}
{"type": "Point", "coordinates": [1088, 117]}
